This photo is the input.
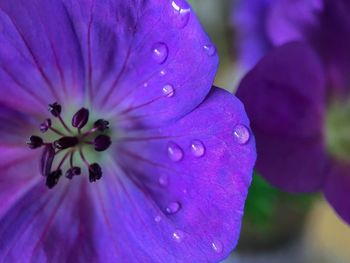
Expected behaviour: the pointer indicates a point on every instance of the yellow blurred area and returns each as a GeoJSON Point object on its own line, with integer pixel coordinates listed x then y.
{"type": "Point", "coordinates": [327, 236]}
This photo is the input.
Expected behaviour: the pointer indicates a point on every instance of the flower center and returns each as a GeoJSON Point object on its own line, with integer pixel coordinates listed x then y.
{"type": "Point", "coordinates": [62, 144]}
{"type": "Point", "coordinates": [338, 130]}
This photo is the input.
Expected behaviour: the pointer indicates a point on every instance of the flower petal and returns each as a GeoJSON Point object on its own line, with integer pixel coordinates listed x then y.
{"type": "Point", "coordinates": [133, 49]}
{"type": "Point", "coordinates": [40, 62]}
{"type": "Point", "coordinates": [285, 98]}
{"type": "Point", "coordinates": [55, 226]}
{"type": "Point", "coordinates": [187, 184]}
{"type": "Point", "coordinates": [15, 126]}
{"type": "Point", "coordinates": [337, 188]}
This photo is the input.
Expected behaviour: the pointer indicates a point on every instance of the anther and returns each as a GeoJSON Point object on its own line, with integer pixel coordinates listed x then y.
{"type": "Point", "coordinates": [52, 178]}
{"type": "Point", "coordinates": [35, 142]}
{"type": "Point", "coordinates": [102, 143]}
{"type": "Point", "coordinates": [45, 125]}
{"type": "Point", "coordinates": [95, 172]}
{"type": "Point", "coordinates": [80, 118]}
{"type": "Point", "coordinates": [73, 172]}
{"type": "Point", "coordinates": [66, 142]}
{"type": "Point", "coordinates": [47, 159]}
{"type": "Point", "coordinates": [101, 125]}
{"type": "Point", "coordinates": [55, 109]}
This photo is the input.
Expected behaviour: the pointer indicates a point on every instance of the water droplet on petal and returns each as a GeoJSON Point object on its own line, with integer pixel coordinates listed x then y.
{"type": "Point", "coordinates": [241, 134]}
{"type": "Point", "coordinates": [210, 49]}
{"type": "Point", "coordinates": [163, 72]}
{"type": "Point", "coordinates": [197, 148]}
{"type": "Point", "coordinates": [160, 52]}
{"type": "Point", "coordinates": [163, 180]}
{"type": "Point", "coordinates": [182, 12]}
{"type": "Point", "coordinates": [178, 235]}
{"type": "Point", "coordinates": [168, 90]}
{"type": "Point", "coordinates": [173, 208]}
{"type": "Point", "coordinates": [217, 246]}
{"type": "Point", "coordinates": [157, 219]}
{"type": "Point", "coordinates": [175, 153]}
{"type": "Point", "coordinates": [145, 85]}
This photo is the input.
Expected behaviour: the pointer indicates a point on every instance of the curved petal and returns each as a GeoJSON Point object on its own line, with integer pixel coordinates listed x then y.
{"type": "Point", "coordinates": [134, 49]}
{"type": "Point", "coordinates": [285, 98]}
{"type": "Point", "coordinates": [40, 62]}
{"type": "Point", "coordinates": [185, 202]}
{"type": "Point", "coordinates": [337, 188]}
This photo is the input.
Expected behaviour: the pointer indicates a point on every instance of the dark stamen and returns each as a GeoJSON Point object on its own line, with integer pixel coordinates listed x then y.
{"type": "Point", "coordinates": [102, 142]}
{"type": "Point", "coordinates": [95, 172]}
{"type": "Point", "coordinates": [35, 142]}
{"type": "Point", "coordinates": [101, 125]}
{"type": "Point", "coordinates": [47, 159]}
{"type": "Point", "coordinates": [80, 119]}
{"type": "Point", "coordinates": [73, 172]}
{"type": "Point", "coordinates": [66, 142]}
{"type": "Point", "coordinates": [45, 126]}
{"type": "Point", "coordinates": [53, 177]}
{"type": "Point", "coordinates": [55, 109]}
{"type": "Point", "coordinates": [71, 141]}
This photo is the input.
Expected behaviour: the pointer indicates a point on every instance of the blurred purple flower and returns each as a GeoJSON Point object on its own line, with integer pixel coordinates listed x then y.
{"type": "Point", "coordinates": [297, 98]}
{"type": "Point", "coordinates": [133, 80]}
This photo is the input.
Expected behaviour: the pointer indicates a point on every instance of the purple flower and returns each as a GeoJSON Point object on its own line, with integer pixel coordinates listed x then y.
{"type": "Point", "coordinates": [302, 140]}
{"type": "Point", "coordinates": [297, 98]}
{"type": "Point", "coordinates": [133, 111]}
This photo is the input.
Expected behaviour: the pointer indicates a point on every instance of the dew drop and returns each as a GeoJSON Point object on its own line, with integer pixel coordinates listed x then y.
{"type": "Point", "coordinates": [175, 153]}
{"type": "Point", "coordinates": [182, 12]}
{"type": "Point", "coordinates": [160, 52]}
{"type": "Point", "coordinates": [178, 235]}
{"type": "Point", "coordinates": [197, 148]}
{"type": "Point", "coordinates": [173, 208]}
{"type": "Point", "coordinates": [210, 49]}
{"type": "Point", "coordinates": [168, 90]}
{"type": "Point", "coordinates": [217, 246]}
{"type": "Point", "coordinates": [157, 219]}
{"type": "Point", "coordinates": [241, 134]}
{"type": "Point", "coordinates": [163, 180]}
{"type": "Point", "coordinates": [163, 72]}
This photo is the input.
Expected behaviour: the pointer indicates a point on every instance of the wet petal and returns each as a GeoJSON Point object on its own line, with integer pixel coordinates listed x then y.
{"type": "Point", "coordinates": [285, 98]}
{"type": "Point", "coordinates": [134, 50]}
{"type": "Point", "coordinates": [337, 188]}
{"type": "Point", "coordinates": [181, 176]}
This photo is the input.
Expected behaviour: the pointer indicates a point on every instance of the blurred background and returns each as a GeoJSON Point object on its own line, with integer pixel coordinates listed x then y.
{"type": "Point", "coordinates": [277, 227]}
